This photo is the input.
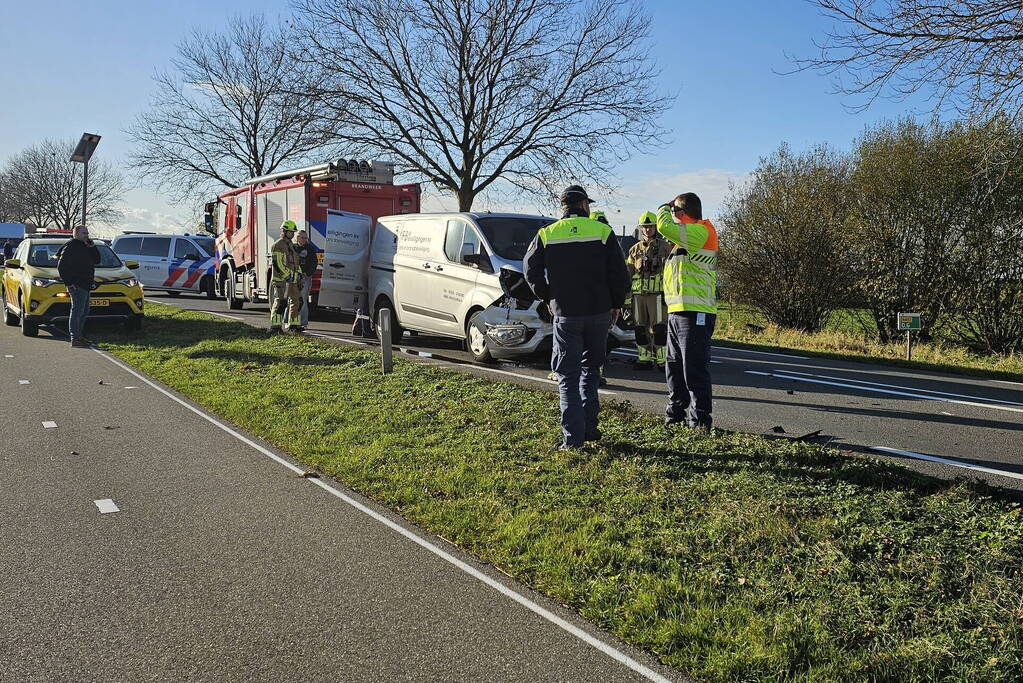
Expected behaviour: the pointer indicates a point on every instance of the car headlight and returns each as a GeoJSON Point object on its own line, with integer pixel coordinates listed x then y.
{"type": "Point", "coordinates": [130, 281]}
{"type": "Point", "coordinates": [44, 282]}
{"type": "Point", "coordinates": [507, 335]}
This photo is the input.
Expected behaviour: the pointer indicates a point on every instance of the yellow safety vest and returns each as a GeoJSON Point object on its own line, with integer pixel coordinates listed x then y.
{"type": "Point", "coordinates": [690, 275]}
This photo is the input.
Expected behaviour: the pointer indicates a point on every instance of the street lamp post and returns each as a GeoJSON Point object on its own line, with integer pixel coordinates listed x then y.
{"type": "Point", "coordinates": [83, 152]}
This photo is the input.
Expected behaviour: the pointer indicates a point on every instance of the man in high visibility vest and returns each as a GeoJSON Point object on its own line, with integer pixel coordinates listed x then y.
{"type": "Point", "coordinates": [649, 313]}
{"type": "Point", "coordinates": [690, 290]}
{"type": "Point", "coordinates": [576, 266]}
{"type": "Point", "coordinates": [285, 281]}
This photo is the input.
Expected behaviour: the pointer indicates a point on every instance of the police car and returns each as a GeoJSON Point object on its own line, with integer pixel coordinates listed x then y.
{"type": "Point", "coordinates": [171, 263]}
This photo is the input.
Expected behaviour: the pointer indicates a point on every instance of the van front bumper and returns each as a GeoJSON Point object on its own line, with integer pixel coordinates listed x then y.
{"type": "Point", "coordinates": [518, 333]}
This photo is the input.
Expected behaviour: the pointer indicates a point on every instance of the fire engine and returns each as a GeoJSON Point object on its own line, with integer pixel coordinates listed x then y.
{"type": "Point", "coordinates": [331, 201]}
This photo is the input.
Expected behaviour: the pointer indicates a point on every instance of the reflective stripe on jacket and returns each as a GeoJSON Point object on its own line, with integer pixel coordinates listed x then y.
{"type": "Point", "coordinates": [576, 264]}
{"type": "Point", "coordinates": [690, 275]}
{"type": "Point", "coordinates": [646, 264]}
{"type": "Point", "coordinates": [285, 266]}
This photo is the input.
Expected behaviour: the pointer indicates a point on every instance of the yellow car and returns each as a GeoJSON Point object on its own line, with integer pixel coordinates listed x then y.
{"type": "Point", "coordinates": [34, 295]}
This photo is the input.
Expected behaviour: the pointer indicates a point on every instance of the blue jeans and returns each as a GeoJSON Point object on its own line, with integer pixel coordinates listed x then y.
{"type": "Point", "coordinates": [79, 310]}
{"type": "Point", "coordinates": [688, 370]}
{"type": "Point", "coordinates": [580, 347]}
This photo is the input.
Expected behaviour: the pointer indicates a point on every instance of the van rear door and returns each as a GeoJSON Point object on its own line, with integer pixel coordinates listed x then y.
{"type": "Point", "coordinates": [345, 260]}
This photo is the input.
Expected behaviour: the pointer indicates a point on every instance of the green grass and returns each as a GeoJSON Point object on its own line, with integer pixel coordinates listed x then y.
{"type": "Point", "coordinates": [849, 337]}
{"type": "Point", "coordinates": [731, 557]}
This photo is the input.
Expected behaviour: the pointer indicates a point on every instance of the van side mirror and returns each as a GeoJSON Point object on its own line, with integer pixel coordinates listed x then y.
{"type": "Point", "coordinates": [131, 265]}
{"type": "Point", "coordinates": [12, 263]}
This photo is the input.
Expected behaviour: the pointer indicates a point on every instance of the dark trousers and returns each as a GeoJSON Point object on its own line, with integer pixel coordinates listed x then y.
{"type": "Point", "coordinates": [688, 369]}
{"type": "Point", "coordinates": [79, 310]}
{"type": "Point", "coordinates": [580, 347]}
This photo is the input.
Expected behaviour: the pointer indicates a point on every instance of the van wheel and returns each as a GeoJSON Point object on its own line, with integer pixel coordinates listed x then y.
{"type": "Point", "coordinates": [233, 302]}
{"type": "Point", "coordinates": [396, 330]}
{"type": "Point", "coordinates": [476, 341]}
{"type": "Point", "coordinates": [173, 294]}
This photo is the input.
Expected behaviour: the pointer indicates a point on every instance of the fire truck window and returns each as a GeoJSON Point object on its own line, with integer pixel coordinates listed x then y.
{"type": "Point", "coordinates": [155, 246]}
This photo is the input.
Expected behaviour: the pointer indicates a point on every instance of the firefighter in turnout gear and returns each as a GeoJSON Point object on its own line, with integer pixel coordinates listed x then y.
{"type": "Point", "coordinates": [285, 281]}
{"type": "Point", "coordinates": [649, 312]}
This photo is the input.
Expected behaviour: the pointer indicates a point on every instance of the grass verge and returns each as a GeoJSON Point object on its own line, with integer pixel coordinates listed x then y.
{"type": "Point", "coordinates": [730, 557]}
{"type": "Point", "coordinates": [846, 339]}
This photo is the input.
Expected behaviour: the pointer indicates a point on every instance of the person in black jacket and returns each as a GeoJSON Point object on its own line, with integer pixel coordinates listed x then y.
{"type": "Point", "coordinates": [76, 264]}
{"type": "Point", "coordinates": [575, 265]}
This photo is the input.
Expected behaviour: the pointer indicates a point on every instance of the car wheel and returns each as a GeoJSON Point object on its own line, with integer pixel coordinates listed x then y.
{"type": "Point", "coordinates": [210, 287]}
{"type": "Point", "coordinates": [396, 330]}
{"type": "Point", "coordinates": [28, 329]}
{"type": "Point", "coordinates": [233, 302]}
{"type": "Point", "coordinates": [476, 341]}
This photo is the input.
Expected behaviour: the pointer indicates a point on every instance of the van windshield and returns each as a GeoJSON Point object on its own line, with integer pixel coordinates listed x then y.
{"type": "Point", "coordinates": [510, 236]}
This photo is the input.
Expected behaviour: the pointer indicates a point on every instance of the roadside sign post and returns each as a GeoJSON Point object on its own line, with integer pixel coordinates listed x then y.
{"type": "Point", "coordinates": [384, 332]}
{"type": "Point", "coordinates": [909, 322]}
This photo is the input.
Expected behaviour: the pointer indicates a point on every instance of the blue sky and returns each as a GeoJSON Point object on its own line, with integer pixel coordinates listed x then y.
{"type": "Point", "coordinates": [69, 67]}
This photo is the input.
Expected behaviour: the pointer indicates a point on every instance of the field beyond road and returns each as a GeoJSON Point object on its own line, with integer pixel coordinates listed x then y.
{"type": "Point", "coordinates": [731, 557]}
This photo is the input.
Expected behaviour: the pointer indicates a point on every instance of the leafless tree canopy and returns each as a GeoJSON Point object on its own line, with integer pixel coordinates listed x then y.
{"type": "Point", "coordinates": [969, 53]}
{"type": "Point", "coordinates": [231, 107]}
{"type": "Point", "coordinates": [43, 187]}
{"type": "Point", "coordinates": [467, 93]}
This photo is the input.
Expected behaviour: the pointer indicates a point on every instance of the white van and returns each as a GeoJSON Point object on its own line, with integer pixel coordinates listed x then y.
{"type": "Point", "coordinates": [438, 272]}
{"type": "Point", "coordinates": [171, 263]}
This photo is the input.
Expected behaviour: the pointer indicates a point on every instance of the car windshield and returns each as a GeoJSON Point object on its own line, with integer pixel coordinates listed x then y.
{"type": "Point", "coordinates": [510, 235]}
{"type": "Point", "coordinates": [205, 243]}
{"type": "Point", "coordinates": [45, 256]}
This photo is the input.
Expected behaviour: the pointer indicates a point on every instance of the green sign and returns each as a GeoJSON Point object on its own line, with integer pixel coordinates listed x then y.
{"type": "Point", "coordinates": [909, 321]}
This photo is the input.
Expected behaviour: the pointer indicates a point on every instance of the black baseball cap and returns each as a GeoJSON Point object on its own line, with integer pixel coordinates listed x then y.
{"type": "Point", "coordinates": [573, 194]}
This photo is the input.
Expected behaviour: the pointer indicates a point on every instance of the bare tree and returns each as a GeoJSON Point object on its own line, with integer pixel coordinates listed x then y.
{"type": "Point", "coordinates": [466, 93]}
{"type": "Point", "coordinates": [44, 188]}
{"type": "Point", "coordinates": [970, 52]}
{"type": "Point", "coordinates": [231, 107]}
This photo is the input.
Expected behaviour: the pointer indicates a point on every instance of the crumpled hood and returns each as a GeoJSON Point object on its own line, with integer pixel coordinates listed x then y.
{"type": "Point", "coordinates": [513, 283]}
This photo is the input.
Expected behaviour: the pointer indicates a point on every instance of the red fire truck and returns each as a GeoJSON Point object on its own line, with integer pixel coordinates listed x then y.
{"type": "Point", "coordinates": [247, 221]}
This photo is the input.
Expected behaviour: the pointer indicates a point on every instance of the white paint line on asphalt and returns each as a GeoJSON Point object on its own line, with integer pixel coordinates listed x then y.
{"type": "Point", "coordinates": [23, 381]}
{"type": "Point", "coordinates": [757, 372]}
{"type": "Point", "coordinates": [223, 315]}
{"type": "Point", "coordinates": [131, 387]}
{"type": "Point", "coordinates": [49, 425]}
{"type": "Point", "coordinates": [106, 506]}
{"type": "Point", "coordinates": [514, 595]}
{"type": "Point", "coordinates": [946, 461]}
{"type": "Point", "coordinates": [878, 390]}
{"type": "Point", "coordinates": [7, 355]}
{"type": "Point", "coordinates": [731, 349]}
{"type": "Point", "coordinates": [337, 339]}
{"type": "Point", "coordinates": [1005, 381]}
{"type": "Point", "coordinates": [898, 386]}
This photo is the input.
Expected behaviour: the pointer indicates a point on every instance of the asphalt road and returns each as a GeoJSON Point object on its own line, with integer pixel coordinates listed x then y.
{"type": "Point", "coordinates": [859, 407]}
{"type": "Point", "coordinates": [223, 563]}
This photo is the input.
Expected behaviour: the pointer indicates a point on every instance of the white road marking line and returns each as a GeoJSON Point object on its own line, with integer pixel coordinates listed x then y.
{"type": "Point", "coordinates": [717, 361]}
{"type": "Point", "coordinates": [731, 349]}
{"type": "Point", "coordinates": [7, 355]}
{"type": "Point", "coordinates": [106, 506]}
{"type": "Point", "coordinates": [338, 339]}
{"type": "Point", "coordinates": [223, 315]}
{"type": "Point", "coordinates": [131, 387]}
{"type": "Point", "coordinates": [899, 386]}
{"type": "Point", "coordinates": [23, 381]}
{"type": "Point", "coordinates": [892, 392]}
{"type": "Point", "coordinates": [757, 372]}
{"type": "Point", "coordinates": [1005, 381]}
{"type": "Point", "coordinates": [532, 606]}
{"type": "Point", "coordinates": [49, 425]}
{"type": "Point", "coordinates": [946, 461]}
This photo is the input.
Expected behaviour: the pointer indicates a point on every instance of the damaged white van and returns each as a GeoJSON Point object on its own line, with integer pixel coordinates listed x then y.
{"type": "Point", "coordinates": [439, 273]}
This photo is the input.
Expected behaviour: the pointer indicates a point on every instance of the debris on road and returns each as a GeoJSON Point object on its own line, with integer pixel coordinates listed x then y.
{"type": "Point", "coordinates": [778, 429]}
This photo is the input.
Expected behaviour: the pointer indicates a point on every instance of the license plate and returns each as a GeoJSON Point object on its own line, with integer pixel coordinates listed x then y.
{"type": "Point", "coordinates": [99, 302]}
